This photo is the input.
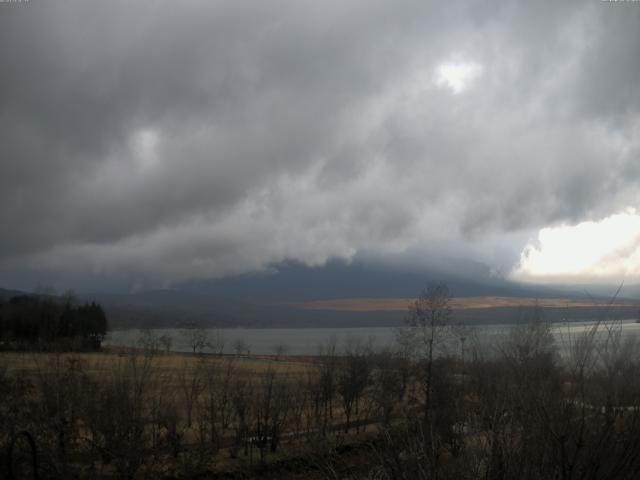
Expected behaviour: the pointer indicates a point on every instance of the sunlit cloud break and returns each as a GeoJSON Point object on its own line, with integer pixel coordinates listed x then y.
{"type": "Point", "coordinates": [595, 251]}
{"type": "Point", "coordinates": [457, 76]}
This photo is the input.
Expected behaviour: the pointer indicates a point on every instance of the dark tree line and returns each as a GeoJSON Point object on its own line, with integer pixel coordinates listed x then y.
{"type": "Point", "coordinates": [44, 320]}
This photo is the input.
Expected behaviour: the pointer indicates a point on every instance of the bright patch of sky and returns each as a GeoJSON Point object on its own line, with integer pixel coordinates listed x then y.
{"type": "Point", "coordinates": [607, 250]}
{"type": "Point", "coordinates": [457, 76]}
{"type": "Point", "coordinates": [145, 148]}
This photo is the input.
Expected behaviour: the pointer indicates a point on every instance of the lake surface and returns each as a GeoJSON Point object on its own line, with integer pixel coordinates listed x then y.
{"type": "Point", "coordinates": [305, 341]}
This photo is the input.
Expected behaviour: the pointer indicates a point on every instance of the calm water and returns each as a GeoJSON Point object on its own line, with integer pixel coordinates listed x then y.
{"type": "Point", "coordinates": [305, 341]}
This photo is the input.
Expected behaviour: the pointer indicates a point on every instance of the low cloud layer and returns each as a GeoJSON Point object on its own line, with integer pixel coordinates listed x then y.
{"type": "Point", "coordinates": [155, 142]}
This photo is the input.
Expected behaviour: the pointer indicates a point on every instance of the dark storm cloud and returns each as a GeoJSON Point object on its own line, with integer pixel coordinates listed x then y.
{"type": "Point", "coordinates": [160, 141]}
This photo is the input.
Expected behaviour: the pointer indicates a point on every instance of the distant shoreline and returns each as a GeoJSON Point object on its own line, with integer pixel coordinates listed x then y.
{"type": "Point", "coordinates": [367, 304]}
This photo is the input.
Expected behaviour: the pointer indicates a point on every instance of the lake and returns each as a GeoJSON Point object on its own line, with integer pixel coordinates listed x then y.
{"type": "Point", "coordinates": [305, 341]}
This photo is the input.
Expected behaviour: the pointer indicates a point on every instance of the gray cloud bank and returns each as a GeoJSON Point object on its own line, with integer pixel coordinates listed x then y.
{"type": "Point", "coordinates": [158, 141]}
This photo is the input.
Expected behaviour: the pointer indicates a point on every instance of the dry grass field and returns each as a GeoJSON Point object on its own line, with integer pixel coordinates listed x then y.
{"type": "Point", "coordinates": [215, 413]}
{"type": "Point", "coordinates": [143, 414]}
{"type": "Point", "coordinates": [169, 382]}
{"type": "Point", "coordinates": [365, 304]}
{"type": "Point", "coordinates": [111, 359]}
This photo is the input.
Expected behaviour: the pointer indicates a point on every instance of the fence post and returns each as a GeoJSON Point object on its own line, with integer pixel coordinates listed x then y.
{"type": "Point", "coordinates": [34, 456]}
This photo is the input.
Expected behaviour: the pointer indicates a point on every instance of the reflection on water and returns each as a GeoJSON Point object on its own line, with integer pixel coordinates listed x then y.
{"type": "Point", "coordinates": [305, 341]}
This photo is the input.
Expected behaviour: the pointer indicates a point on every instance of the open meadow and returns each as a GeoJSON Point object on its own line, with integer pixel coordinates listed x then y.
{"type": "Point", "coordinates": [135, 412]}
{"type": "Point", "coordinates": [349, 411]}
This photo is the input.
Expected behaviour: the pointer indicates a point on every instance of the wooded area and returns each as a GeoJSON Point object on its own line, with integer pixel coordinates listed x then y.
{"type": "Point", "coordinates": [44, 322]}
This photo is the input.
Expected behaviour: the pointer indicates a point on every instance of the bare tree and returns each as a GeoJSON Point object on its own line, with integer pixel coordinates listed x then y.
{"type": "Point", "coordinates": [388, 385]}
{"type": "Point", "coordinates": [149, 341]}
{"type": "Point", "coordinates": [353, 378]}
{"type": "Point", "coordinates": [166, 341]}
{"type": "Point", "coordinates": [271, 407]}
{"type": "Point", "coordinates": [196, 337]}
{"type": "Point", "coordinates": [116, 413]}
{"type": "Point", "coordinates": [217, 342]}
{"type": "Point", "coordinates": [240, 347]}
{"type": "Point", "coordinates": [242, 393]}
{"type": "Point", "coordinates": [327, 379]}
{"type": "Point", "coordinates": [429, 315]}
{"type": "Point", "coordinates": [280, 350]}
{"type": "Point", "coordinates": [190, 379]}
{"type": "Point", "coordinates": [216, 407]}
{"type": "Point", "coordinates": [301, 408]}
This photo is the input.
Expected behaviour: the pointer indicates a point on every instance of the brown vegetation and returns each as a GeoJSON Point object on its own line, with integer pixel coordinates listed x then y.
{"type": "Point", "coordinates": [518, 411]}
{"type": "Point", "coordinates": [457, 303]}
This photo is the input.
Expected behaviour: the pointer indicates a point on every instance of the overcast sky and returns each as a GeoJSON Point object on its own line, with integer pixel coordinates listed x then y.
{"type": "Point", "coordinates": [151, 142]}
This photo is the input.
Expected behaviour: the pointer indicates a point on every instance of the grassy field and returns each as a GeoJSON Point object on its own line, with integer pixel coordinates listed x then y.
{"type": "Point", "coordinates": [365, 304]}
{"type": "Point", "coordinates": [168, 405]}
{"type": "Point", "coordinates": [110, 359]}
{"type": "Point", "coordinates": [358, 414]}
